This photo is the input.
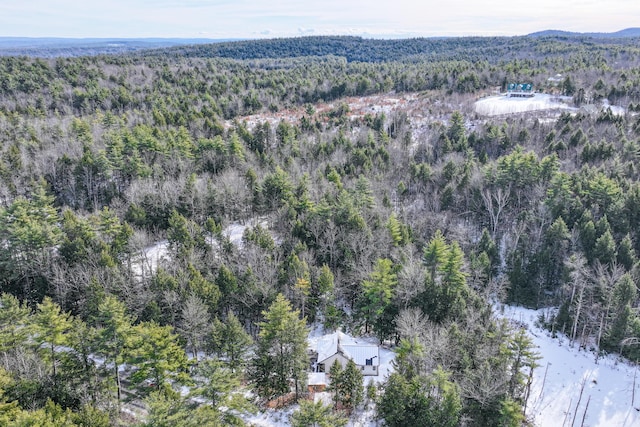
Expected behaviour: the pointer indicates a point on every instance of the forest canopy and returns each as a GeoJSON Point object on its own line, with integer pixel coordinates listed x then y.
{"type": "Point", "coordinates": [182, 217]}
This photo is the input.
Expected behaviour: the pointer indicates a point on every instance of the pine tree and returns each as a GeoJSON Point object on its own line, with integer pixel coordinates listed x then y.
{"type": "Point", "coordinates": [114, 335]}
{"type": "Point", "coordinates": [316, 414]}
{"type": "Point", "coordinates": [52, 329]}
{"type": "Point", "coordinates": [231, 341]}
{"type": "Point", "coordinates": [14, 323]}
{"type": "Point", "coordinates": [398, 231]}
{"type": "Point", "coordinates": [422, 401]}
{"type": "Point", "coordinates": [626, 253]}
{"type": "Point", "coordinates": [325, 286]}
{"type": "Point", "coordinates": [352, 389]}
{"type": "Point", "coordinates": [522, 357]}
{"type": "Point", "coordinates": [622, 316]}
{"type": "Point", "coordinates": [605, 248]}
{"type": "Point", "coordinates": [377, 292]}
{"type": "Point", "coordinates": [434, 253]}
{"type": "Point", "coordinates": [158, 356]}
{"type": "Point", "coordinates": [281, 354]}
{"type": "Point", "coordinates": [215, 382]}
{"type": "Point", "coordinates": [335, 374]}
{"type": "Point", "coordinates": [446, 290]}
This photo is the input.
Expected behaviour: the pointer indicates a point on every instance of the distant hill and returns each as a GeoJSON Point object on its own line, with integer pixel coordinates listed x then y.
{"type": "Point", "coordinates": [57, 47]}
{"type": "Point", "coordinates": [352, 48]}
{"type": "Point", "coordinates": [627, 32]}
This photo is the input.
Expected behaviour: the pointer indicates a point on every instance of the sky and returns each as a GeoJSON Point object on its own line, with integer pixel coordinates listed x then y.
{"type": "Point", "coordinates": [221, 19]}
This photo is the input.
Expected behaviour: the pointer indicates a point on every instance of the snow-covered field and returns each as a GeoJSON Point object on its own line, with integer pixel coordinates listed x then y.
{"type": "Point", "coordinates": [569, 385]}
{"type": "Point", "coordinates": [497, 105]}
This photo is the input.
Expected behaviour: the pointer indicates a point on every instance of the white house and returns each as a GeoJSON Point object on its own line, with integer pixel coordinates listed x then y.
{"type": "Point", "coordinates": [341, 347]}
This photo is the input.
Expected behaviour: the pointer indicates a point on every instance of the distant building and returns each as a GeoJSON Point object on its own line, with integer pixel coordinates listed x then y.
{"type": "Point", "coordinates": [520, 90]}
{"type": "Point", "coordinates": [342, 348]}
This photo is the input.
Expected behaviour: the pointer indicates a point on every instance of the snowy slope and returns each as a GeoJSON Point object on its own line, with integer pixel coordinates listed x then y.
{"type": "Point", "coordinates": [498, 105]}
{"type": "Point", "coordinates": [569, 385]}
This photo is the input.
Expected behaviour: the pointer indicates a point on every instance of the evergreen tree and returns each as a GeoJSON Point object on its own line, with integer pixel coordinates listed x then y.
{"type": "Point", "coordinates": [622, 315]}
{"type": "Point", "coordinates": [281, 353]}
{"type": "Point", "coordinates": [231, 341]}
{"type": "Point", "coordinates": [325, 286]}
{"type": "Point", "coordinates": [626, 253]}
{"type": "Point", "coordinates": [215, 381]}
{"type": "Point", "coordinates": [29, 230]}
{"type": "Point", "coordinates": [335, 374]}
{"type": "Point", "coordinates": [316, 414]}
{"type": "Point", "coordinates": [421, 401]}
{"type": "Point", "coordinates": [434, 254]}
{"type": "Point", "coordinates": [446, 291]}
{"type": "Point", "coordinates": [605, 248]}
{"type": "Point", "coordinates": [174, 411]}
{"type": "Point", "coordinates": [377, 293]}
{"type": "Point", "coordinates": [114, 336]}
{"type": "Point", "coordinates": [14, 324]}
{"type": "Point", "coordinates": [52, 329]}
{"type": "Point", "coordinates": [349, 387]}
{"type": "Point", "coordinates": [157, 356]}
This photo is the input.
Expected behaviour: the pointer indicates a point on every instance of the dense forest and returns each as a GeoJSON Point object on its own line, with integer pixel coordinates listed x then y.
{"type": "Point", "coordinates": [378, 224]}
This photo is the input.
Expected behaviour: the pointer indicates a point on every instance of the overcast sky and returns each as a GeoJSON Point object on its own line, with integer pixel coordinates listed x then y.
{"type": "Point", "coordinates": [285, 18]}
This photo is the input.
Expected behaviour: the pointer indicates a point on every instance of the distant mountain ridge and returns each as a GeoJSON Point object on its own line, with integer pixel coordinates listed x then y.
{"type": "Point", "coordinates": [627, 32]}
{"type": "Point", "coordinates": [57, 46]}
{"type": "Point", "coordinates": [353, 48]}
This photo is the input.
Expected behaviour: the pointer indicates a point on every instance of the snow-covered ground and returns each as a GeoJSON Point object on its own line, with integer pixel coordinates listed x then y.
{"type": "Point", "coordinates": [235, 231]}
{"type": "Point", "coordinates": [497, 105]}
{"type": "Point", "coordinates": [569, 385]}
{"type": "Point", "coordinates": [146, 263]}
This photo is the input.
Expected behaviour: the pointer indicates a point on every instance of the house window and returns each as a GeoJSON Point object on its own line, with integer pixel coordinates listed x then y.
{"type": "Point", "coordinates": [369, 362]}
{"type": "Point", "coordinates": [362, 368]}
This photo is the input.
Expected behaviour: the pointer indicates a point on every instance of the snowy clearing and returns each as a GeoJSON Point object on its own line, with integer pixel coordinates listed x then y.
{"type": "Point", "coordinates": [145, 263]}
{"type": "Point", "coordinates": [497, 105]}
{"type": "Point", "coordinates": [569, 386]}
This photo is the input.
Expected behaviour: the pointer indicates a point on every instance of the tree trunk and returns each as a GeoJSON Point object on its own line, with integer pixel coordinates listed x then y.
{"type": "Point", "coordinates": [118, 390]}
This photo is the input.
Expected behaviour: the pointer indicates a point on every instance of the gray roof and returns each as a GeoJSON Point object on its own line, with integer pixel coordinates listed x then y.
{"type": "Point", "coordinates": [341, 343]}
{"type": "Point", "coordinates": [359, 353]}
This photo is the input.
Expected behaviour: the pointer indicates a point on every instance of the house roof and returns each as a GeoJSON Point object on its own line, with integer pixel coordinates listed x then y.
{"type": "Point", "coordinates": [339, 342]}
{"type": "Point", "coordinates": [359, 353]}
{"type": "Point", "coordinates": [328, 346]}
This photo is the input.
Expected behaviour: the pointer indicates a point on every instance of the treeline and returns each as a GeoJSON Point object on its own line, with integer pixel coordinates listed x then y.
{"type": "Point", "coordinates": [375, 224]}
{"type": "Point", "coordinates": [358, 49]}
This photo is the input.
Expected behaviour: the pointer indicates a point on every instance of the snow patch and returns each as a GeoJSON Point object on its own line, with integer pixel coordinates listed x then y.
{"type": "Point", "coordinates": [146, 263]}
{"type": "Point", "coordinates": [498, 105]}
{"type": "Point", "coordinates": [570, 384]}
